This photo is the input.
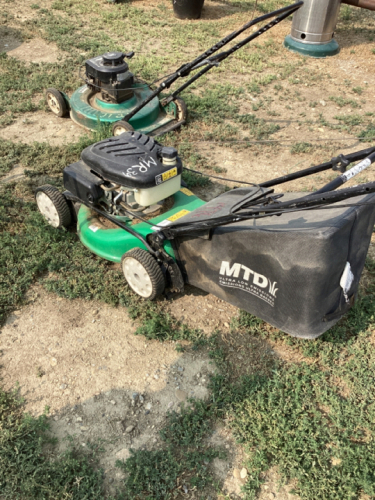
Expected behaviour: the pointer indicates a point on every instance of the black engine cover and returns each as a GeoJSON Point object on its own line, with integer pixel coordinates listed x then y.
{"type": "Point", "coordinates": [131, 159]}
{"type": "Point", "coordinates": [82, 183]}
{"type": "Point", "coordinates": [110, 74]}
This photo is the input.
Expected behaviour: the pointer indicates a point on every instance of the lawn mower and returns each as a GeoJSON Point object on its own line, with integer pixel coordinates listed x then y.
{"type": "Point", "coordinates": [112, 94]}
{"type": "Point", "coordinates": [292, 259]}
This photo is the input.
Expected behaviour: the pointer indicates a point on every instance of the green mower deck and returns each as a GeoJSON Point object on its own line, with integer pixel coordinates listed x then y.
{"type": "Point", "coordinates": [90, 112]}
{"type": "Point", "coordinates": [111, 244]}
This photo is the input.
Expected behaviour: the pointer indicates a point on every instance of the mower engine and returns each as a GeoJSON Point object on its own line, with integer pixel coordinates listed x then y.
{"type": "Point", "coordinates": [109, 74]}
{"type": "Point", "coordinates": [131, 172]}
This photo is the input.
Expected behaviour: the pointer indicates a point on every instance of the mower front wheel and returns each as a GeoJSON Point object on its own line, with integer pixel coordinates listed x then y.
{"type": "Point", "coordinates": [53, 206]}
{"type": "Point", "coordinates": [121, 127]}
{"type": "Point", "coordinates": [56, 102]}
{"type": "Point", "coordinates": [143, 273]}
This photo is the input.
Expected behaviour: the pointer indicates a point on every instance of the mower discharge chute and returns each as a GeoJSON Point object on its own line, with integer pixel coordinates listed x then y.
{"type": "Point", "coordinates": [112, 94]}
{"type": "Point", "coordinates": [292, 259]}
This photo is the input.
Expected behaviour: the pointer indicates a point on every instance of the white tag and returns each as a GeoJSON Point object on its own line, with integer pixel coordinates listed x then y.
{"type": "Point", "coordinates": [357, 169]}
{"type": "Point", "coordinates": [346, 280]}
{"type": "Point", "coordinates": [94, 228]}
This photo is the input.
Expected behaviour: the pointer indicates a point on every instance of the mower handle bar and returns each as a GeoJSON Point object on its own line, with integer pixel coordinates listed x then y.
{"type": "Point", "coordinates": [304, 203]}
{"type": "Point", "coordinates": [338, 163]}
{"type": "Point", "coordinates": [185, 69]}
{"type": "Point", "coordinates": [216, 59]}
{"type": "Point", "coordinates": [324, 196]}
{"type": "Point", "coordinates": [349, 174]}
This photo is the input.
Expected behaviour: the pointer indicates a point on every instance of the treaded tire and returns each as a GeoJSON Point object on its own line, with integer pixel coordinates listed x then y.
{"type": "Point", "coordinates": [53, 206]}
{"type": "Point", "coordinates": [56, 102]}
{"type": "Point", "coordinates": [143, 273]}
{"type": "Point", "coordinates": [121, 127]}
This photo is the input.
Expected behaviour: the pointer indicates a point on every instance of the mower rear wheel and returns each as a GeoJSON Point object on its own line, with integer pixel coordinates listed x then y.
{"type": "Point", "coordinates": [53, 206]}
{"type": "Point", "coordinates": [56, 102]}
{"type": "Point", "coordinates": [121, 127]}
{"type": "Point", "coordinates": [143, 273]}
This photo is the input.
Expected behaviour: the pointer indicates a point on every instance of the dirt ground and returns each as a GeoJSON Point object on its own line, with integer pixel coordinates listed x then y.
{"type": "Point", "coordinates": [99, 379]}
{"type": "Point", "coordinates": [82, 358]}
{"type": "Point", "coordinates": [42, 127]}
{"type": "Point", "coordinates": [35, 50]}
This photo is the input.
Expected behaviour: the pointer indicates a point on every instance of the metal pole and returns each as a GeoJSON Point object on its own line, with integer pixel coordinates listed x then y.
{"type": "Point", "coordinates": [313, 26]}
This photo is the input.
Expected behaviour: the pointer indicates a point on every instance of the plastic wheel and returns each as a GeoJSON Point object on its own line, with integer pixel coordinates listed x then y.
{"type": "Point", "coordinates": [143, 273]}
{"type": "Point", "coordinates": [56, 102]}
{"type": "Point", "coordinates": [53, 206]}
{"type": "Point", "coordinates": [121, 127]}
{"type": "Point", "coordinates": [181, 109]}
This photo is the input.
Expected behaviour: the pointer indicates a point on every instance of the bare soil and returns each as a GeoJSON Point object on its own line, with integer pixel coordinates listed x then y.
{"type": "Point", "coordinates": [35, 50]}
{"type": "Point", "coordinates": [98, 379]}
{"type": "Point", "coordinates": [42, 127]}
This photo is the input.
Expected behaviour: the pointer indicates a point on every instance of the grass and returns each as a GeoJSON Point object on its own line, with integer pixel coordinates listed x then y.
{"type": "Point", "coordinates": [32, 251]}
{"type": "Point", "coordinates": [25, 469]}
{"type": "Point", "coordinates": [341, 101]}
{"type": "Point", "coordinates": [156, 474]}
{"type": "Point", "coordinates": [302, 147]}
{"type": "Point", "coordinates": [312, 418]}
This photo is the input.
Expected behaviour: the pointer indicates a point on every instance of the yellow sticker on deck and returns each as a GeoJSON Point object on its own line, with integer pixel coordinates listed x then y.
{"type": "Point", "coordinates": [178, 215]}
{"type": "Point", "coordinates": [186, 191]}
{"type": "Point", "coordinates": [169, 174]}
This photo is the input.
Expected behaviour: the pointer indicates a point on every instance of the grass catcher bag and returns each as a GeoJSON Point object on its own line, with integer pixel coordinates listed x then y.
{"type": "Point", "coordinates": [299, 271]}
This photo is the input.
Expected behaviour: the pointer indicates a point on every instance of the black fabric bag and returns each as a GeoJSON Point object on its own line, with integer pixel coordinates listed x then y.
{"type": "Point", "coordinates": [284, 269]}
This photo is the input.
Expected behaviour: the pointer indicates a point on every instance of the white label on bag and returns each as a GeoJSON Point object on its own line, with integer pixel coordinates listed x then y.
{"type": "Point", "coordinates": [346, 278]}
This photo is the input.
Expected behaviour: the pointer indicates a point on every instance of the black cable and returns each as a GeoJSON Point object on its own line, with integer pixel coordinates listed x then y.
{"type": "Point", "coordinates": [135, 215]}
{"type": "Point", "coordinates": [221, 178]}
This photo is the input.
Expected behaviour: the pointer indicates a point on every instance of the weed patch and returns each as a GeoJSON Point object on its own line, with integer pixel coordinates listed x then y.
{"type": "Point", "coordinates": [21, 83]}
{"type": "Point", "coordinates": [43, 159]}
{"type": "Point", "coordinates": [156, 324]}
{"type": "Point", "coordinates": [368, 134]}
{"type": "Point", "coordinates": [298, 421]}
{"type": "Point", "coordinates": [302, 147]}
{"type": "Point", "coordinates": [341, 102]}
{"type": "Point", "coordinates": [185, 458]}
{"type": "Point", "coordinates": [257, 127]}
{"type": "Point", "coordinates": [25, 470]}
{"type": "Point", "coordinates": [158, 474]}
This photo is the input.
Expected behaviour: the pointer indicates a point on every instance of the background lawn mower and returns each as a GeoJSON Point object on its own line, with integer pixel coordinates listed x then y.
{"type": "Point", "coordinates": [293, 260]}
{"type": "Point", "coordinates": [112, 95]}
